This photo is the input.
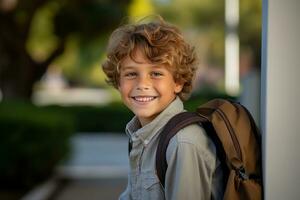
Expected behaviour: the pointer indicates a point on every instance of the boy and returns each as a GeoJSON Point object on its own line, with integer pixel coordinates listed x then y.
{"type": "Point", "coordinates": [152, 67]}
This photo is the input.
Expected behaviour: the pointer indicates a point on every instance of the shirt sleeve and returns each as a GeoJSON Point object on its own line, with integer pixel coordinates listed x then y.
{"type": "Point", "coordinates": [190, 171]}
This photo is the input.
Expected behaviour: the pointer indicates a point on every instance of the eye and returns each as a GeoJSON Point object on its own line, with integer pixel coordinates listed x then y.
{"type": "Point", "coordinates": [156, 74]}
{"type": "Point", "coordinates": [130, 74]}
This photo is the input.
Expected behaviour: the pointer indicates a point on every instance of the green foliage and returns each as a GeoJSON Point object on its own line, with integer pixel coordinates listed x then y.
{"type": "Point", "coordinates": [204, 95]}
{"type": "Point", "coordinates": [250, 27]}
{"type": "Point", "coordinates": [36, 33]}
{"type": "Point", "coordinates": [32, 142]}
{"type": "Point", "coordinates": [89, 18]}
{"type": "Point", "coordinates": [86, 22]}
{"type": "Point", "coordinates": [140, 9]}
{"type": "Point", "coordinates": [193, 14]}
{"type": "Point", "coordinates": [110, 118]}
{"type": "Point", "coordinates": [207, 18]}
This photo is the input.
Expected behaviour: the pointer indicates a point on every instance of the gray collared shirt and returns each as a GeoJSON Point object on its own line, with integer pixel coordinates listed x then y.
{"type": "Point", "coordinates": [193, 172]}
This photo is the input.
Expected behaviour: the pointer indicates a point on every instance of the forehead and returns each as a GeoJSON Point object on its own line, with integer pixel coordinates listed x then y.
{"type": "Point", "coordinates": [137, 58]}
{"type": "Point", "coordinates": [129, 64]}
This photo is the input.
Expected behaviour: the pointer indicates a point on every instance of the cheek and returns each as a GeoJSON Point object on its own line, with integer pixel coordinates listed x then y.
{"type": "Point", "coordinates": [166, 88]}
{"type": "Point", "coordinates": [124, 88]}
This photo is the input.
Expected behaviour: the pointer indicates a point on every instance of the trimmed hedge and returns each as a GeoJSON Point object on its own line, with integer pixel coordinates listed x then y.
{"type": "Point", "coordinates": [110, 118]}
{"type": "Point", "coordinates": [32, 142]}
{"type": "Point", "coordinates": [200, 97]}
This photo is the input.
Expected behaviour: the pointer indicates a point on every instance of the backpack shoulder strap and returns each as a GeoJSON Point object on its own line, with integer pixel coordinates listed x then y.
{"type": "Point", "coordinates": [176, 123]}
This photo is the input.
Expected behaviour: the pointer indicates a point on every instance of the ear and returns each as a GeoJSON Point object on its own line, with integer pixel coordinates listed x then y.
{"type": "Point", "coordinates": [118, 85]}
{"type": "Point", "coordinates": [178, 87]}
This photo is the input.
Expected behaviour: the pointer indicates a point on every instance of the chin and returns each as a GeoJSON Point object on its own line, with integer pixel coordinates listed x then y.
{"type": "Point", "coordinates": [146, 115]}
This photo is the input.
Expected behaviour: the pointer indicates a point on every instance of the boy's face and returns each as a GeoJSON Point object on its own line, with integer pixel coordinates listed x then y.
{"type": "Point", "coordinates": [146, 89]}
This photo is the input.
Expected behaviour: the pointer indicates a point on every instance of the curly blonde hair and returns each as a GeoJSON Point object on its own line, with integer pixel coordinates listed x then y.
{"type": "Point", "coordinates": [161, 43]}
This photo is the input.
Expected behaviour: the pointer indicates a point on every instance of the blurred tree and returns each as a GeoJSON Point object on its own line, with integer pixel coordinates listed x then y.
{"type": "Point", "coordinates": [204, 22]}
{"type": "Point", "coordinates": [140, 9]}
{"type": "Point", "coordinates": [83, 19]}
{"type": "Point", "coordinates": [250, 28]}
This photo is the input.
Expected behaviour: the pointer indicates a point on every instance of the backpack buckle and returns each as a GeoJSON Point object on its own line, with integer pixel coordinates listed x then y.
{"type": "Point", "coordinates": [242, 173]}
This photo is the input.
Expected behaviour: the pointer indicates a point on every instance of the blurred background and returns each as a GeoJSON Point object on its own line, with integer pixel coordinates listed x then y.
{"type": "Point", "coordinates": [61, 125]}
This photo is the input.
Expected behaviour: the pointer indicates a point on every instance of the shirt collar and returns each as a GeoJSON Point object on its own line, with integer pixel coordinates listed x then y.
{"type": "Point", "coordinates": [147, 132]}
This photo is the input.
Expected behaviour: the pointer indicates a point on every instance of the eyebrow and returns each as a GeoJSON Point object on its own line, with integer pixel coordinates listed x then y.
{"type": "Point", "coordinates": [129, 67]}
{"type": "Point", "coordinates": [123, 68]}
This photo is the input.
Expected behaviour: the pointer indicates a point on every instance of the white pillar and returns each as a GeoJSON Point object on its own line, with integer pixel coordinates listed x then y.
{"type": "Point", "coordinates": [231, 47]}
{"type": "Point", "coordinates": [280, 95]}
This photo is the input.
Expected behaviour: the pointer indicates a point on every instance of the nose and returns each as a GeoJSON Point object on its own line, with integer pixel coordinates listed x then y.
{"type": "Point", "coordinates": [143, 83]}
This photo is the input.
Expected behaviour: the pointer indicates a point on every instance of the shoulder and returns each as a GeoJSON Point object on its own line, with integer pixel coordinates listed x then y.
{"type": "Point", "coordinates": [192, 138]}
{"type": "Point", "coordinates": [194, 135]}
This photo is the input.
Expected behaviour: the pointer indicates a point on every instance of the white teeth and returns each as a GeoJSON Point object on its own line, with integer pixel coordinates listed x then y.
{"type": "Point", "coordinates": [144, 99]}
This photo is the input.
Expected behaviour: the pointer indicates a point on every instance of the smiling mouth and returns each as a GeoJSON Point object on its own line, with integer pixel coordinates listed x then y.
{"type": "Point", "coordinates": [144, 98]}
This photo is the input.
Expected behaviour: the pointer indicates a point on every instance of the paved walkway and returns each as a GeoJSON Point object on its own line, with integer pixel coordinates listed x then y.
{"type": "Point", "coordinates": [97, 169]}
{"type": "Point", "coordinates": [97, 156]}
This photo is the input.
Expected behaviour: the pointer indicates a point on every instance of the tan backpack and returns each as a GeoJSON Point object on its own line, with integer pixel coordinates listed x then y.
{"type": "Point", "coordinates": [237, 141]}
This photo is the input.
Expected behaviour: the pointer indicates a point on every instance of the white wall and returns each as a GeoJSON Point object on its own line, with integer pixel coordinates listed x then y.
{"type": "Point", "coordinates": [280, 97]}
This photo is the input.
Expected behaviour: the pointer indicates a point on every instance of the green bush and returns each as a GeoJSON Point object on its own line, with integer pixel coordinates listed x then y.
{"type": "Point", "coordinates": [32, 142]}
{"type": "Point", "coordinates": [203, 96]}
{"type": "Point", "coordinates": [109, 118]}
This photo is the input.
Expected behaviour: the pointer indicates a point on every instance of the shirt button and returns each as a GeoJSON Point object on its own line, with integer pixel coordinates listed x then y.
{"type": "Point", "coordinates": [146, 142]}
